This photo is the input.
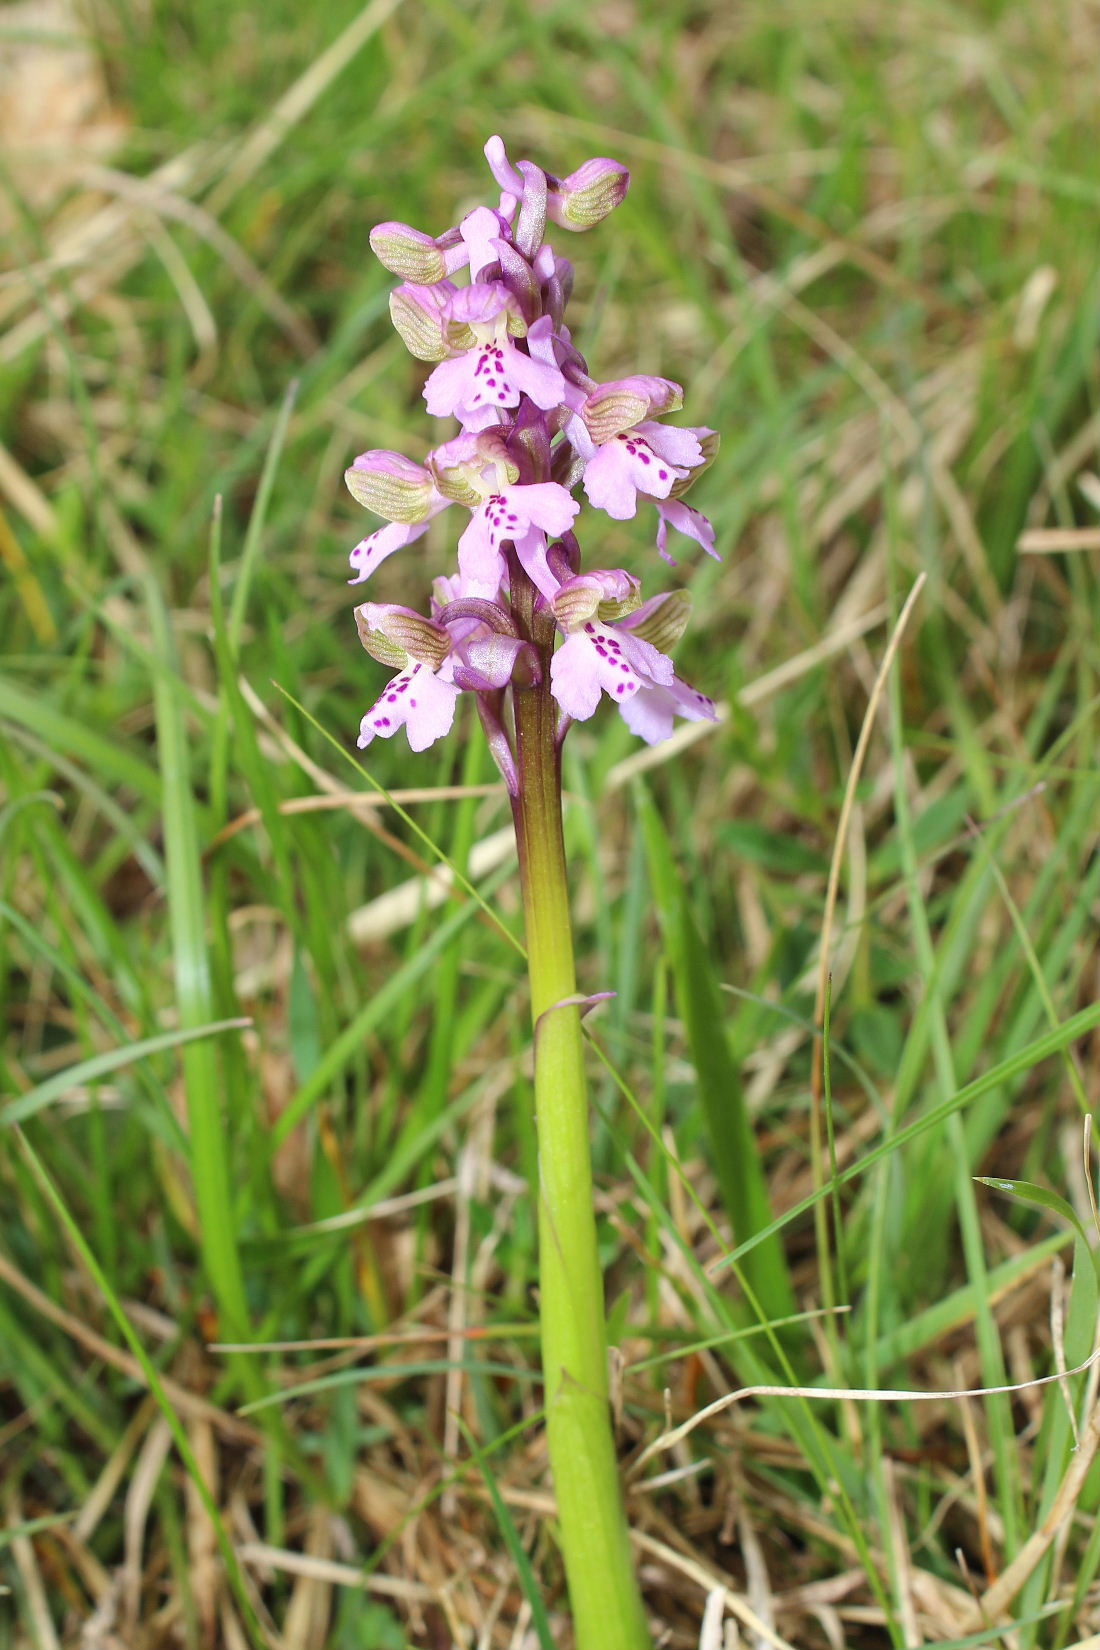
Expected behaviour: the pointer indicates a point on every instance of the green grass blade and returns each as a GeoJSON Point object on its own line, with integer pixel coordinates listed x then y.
{"type": "Point", "coordinates": [734, 1153]}
{"type": "Point", "coordinates": [208, 1138]}
{"type": "Point", "coordinates": [516, 1549]}
{"type": "Point", "coordinates": [1040, 1048]}
{"type": "Point", "coordinates": [257, 518]}
{"type": "Point", "coordinates": [112, 1059]}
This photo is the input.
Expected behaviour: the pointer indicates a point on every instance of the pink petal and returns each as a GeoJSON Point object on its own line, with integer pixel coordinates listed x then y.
{"type": "Point", "coordinates": [545, 385]}
{"type": "Point", "coordinates": [480, 562]}
{"type": "Point", "coordinates": [574, 677]}
{"type": "Point", "coordinates": [649, 714]}
{"type": "Point", "coordinates": [692, 523]}
{"type": "Point", "coordinates": [372, 551]}
{"type": "Point", "coordinates": [531, 550]}
{"type": "Point", "coordinates": [479, 229]}
{"type": "Point", "coordinates": [609, 482]}
{"type": "Point", "coordinates": [416, 700]}
{"type": "Point", "coordinates": [448, 385]}
{"type": "Point", "coordinates": [502, 169]}
{"type": "Point", "coordinates": [675, 445]}
{"type": "Point", "coordinates": [596, 658]}
{"type": "Point", "coordinates": [480, 302]}
{"type": "Point", "coordinates": [545, 505]}
{"type": "Point", "coordinates": [431, 710]}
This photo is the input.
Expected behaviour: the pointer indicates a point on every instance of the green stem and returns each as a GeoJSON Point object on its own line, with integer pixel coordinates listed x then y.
{"type": "Point", "coordinates": [603, 1591]}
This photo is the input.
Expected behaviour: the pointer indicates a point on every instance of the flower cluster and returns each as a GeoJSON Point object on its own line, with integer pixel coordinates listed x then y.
{"type": "Point", "coordinates": [534, 427]}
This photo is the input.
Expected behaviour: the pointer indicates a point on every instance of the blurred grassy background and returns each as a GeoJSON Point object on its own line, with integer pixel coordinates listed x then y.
{"type": "Point", "coordinates": [863, 237]}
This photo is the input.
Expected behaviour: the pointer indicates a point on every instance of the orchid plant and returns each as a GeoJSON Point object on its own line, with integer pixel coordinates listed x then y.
{"type": "Point", "coordinates": [537, 639]}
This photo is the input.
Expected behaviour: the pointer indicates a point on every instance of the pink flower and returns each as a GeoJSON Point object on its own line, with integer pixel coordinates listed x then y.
{"type": "Point", "coordinates": [600, 659]}
{"type": "Point", "coordinates": [648, 459]}
{"type": "Point", "coordinates": [400, 490]}
{"type": "Point", "coordinates": [482, 383]}
{"type": "Point", "coordinates": [468, 644]}
{"type": "Point", "coordinates": [638, 677]}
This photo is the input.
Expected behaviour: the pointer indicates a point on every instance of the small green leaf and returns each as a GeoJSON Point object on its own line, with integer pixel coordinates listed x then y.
{"type": "Point", "coordinates": [1026, 1192]}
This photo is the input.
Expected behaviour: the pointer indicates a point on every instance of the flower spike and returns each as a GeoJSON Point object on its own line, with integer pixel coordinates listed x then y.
{"type": "Point", "coordinates": [535, 428]}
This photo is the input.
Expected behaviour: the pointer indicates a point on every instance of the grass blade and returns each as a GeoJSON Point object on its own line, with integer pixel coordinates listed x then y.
{"type": "Point", "coordinates": [734, 1156]}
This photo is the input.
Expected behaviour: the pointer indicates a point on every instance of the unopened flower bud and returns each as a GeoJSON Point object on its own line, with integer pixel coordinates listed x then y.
{"type": "Point", "coordinates": [408, 253]}
{"type": "Point", "coordinates": [587, 195]}
{"type": "Point", "coordinates": [624, 402]}
{"type": "Point", "coordinates": [391, 485]}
